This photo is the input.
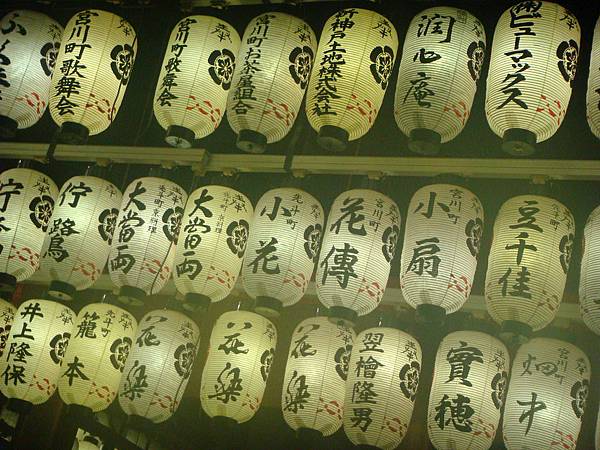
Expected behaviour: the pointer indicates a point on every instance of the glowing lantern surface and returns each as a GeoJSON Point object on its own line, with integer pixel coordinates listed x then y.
{"type": "Point", "coordinates": [358, 245]}
{"type": "Point", "coordinates": [283, 247]}
{"type": "Point", "coordinates": [38, 341]}
{"type": "Point", "coordinates": [383, 377]}
{"type": "Point", "coordinates": [241, 350]}
{"type": "Point", "coordinates": [589, 280]}
{"type": "Point", "coordinates": [27, 59]}
{"type": "Point", "coordinates": [274, 63]}
{"type": "Point", "coordinates": [314, 384]}
{"type": "Point", "coordinates": [96, 57]}
{"type": "Point", "coordinates": [211, 244]}
{"type": "Point", "coordinates": [547, 394]}
{"type": "Point", "coordinates": [528, 262]}
{"type": "Point", "coordinates": [441, 62]}
{"type": "Point", "coordinates": [196, 75]}
{"type": "Point", "coordinates": [593, 86]}
{"type": "Point", "coordinates": [353, 66]}
{"type": "Point", "coordinates": [471, 376]}
{"type": "Point", "coordinates": [7, 315]}
{"type": "Point", "coordinates": [159, 365]}
{"type": "Point", "coordinates": [532, 69]}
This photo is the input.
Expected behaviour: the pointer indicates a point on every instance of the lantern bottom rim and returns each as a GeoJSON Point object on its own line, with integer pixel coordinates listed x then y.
{"type": "Point", "coordinates": [333, 138]}
{"type": "Point", "coordinates": [430, 314]}
{"type": "Point", "coordinates": [251, 141]}
{"type": "Point", "coordinates": [139, 423]}
{"type": "Point", "coordinates": [19, 406]}
{"type": "Point", "coordinates": [193, 302]}
{"type": "Point", "coordinates": [343, 314]}
{"type": "Point", "coordinates": [61, 291]}
{"type": "Point", "coordinates": [268, 306]}
{"type": "Point", "coordinates": [8, 127]}
{"type": "Point", "coordinates": [73, 133]}
{"type": "Point", "coordinates": [519, 142]}
{"type": "Point", "coordinates": [180, 137]}
{"type": "Point", "coordinates": [516, 332]}
{"type": "Point", "coordinates": [8, 283]}
{"type": "Point", "coordinates": [131, 295]}
{"type": "Point", "coordinates": [424, 141]}
{"type": "Point", "coordinates": [224, 421]}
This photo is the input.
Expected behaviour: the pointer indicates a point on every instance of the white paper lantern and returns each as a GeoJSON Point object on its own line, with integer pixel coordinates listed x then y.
{"type": "Point", "coordinates": [532, 68]}
{"type": "Point", "coordinates": [598, 431]}
{"type": "Point", "coordinates": [79, 234]}
{"type": "Point", "coordinates": [28, 50]}
{"type": "Point", "coordinates": [283, 248]}
{"type": "Point", "coordinates": [273, 66]}
{"type": "Point", "coordinates": [196, 74]}
{"type": "Point", "coordinates": [589, 280]}
{"type": "Point", "coordinates": [143, 247]}
{"type": "Point", "coordinates": [547, 394]}
{"type": "Point", "coordinates": [441, 62]}
{"type": "Point", "coordinates": [593, 86]}
{"type": "Point", "coordinates": [211, 244]}
{"type": "Point", "coordinates": [314, 384]}
{"type": "Point", "coordinates": [94, 66]}
{"type": "Point", "coordinates": [26, 204]}
{"type": "Point", "coordinates": [383, 378]}
{"type": "Point", "coordinates": [98, 349]}
{"type": "Point", "coordinates": [7, 315]}
{"type": "Point", "coordinates": [353, 66]}
{"type": "Point", "coordinates": [30, 367]}
{"type": "Point", "coordinates": [359, 244]}
{"type": "Point", "coordinates": [528, 262]}
{"type": "Point", "coordinates": [240, 354]}
{"type": "Point", "coordinates": [444, 225]}
{"type": "Point", "coordinates": [468, 390]}
{"type": "Point", "coordinates": [159, 365]}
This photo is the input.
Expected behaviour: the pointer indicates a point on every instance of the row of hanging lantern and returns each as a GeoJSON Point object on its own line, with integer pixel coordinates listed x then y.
{"type": "Point", "coordinates": [261, 79]}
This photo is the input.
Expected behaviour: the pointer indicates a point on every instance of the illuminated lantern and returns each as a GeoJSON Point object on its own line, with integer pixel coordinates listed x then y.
{"type": "Point", "coordinates": [471, 376]}
{"type": "Point", "coordinates": [528, 262]}
{"type": "Point", "coordinates": [532, 69]}
{"type": "Point", "coordinates": [441, 62]}
{"type": "Point", "coordinates": [383, 377]}
{"type": "Point", "coordinates": [593, 87]}
{"type": "Point", "coordinates": [144, 241]}
{"type": "Point", "coordinates": [159, 365]}
{"type": "Point", "coordinates": [94, 67]}
{"type": "Point", "coordinates": [598, 431]}
{"type": "Point", "coordinates": [7, 315]}
{"type": "Point", "coordinates": [79, 234]}
{"type": "Point", "coordinates": [314, 384]}
{"type": "Point", "coordinates": [27, 59]}
{"type": "Point", "coordinates": [97, 353]}
{"type": "Point", "coordinates": [444, 225]}
{"type": "Point", "coordinates": [26, 203]}
{"type": "Point", "coordinates": [547, 394]}
{"type": "Point", "coordinates": [358, 246]}
{"type": "Point", "coordinates": [38, 341]}
{"type": "Point", "coordinates": [589, 280]}
{"type": "Point", "coordinates": [282, 248]}
{"type": "Point", "coordinates": [211, 244]}
{"type": "Point", "coordinates": [196, 75]}
{"type": "Point", "coordinates": [353, 66]}
{"type": "Point", "coordinates": [274, 63]}
{"type": "Point", "coordinates": [240, 354]}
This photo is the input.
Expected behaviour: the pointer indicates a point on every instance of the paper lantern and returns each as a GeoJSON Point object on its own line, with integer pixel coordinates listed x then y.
{"type": "Point", "coordinates": [593, 86]}
{"type": "Point", "coordinates": [532, 69]}
{"type": "Point", "coordinates": [196, 75]}
{"type": "Point", "coordinates": [79, 234]}
{"type": "Point", "coordinates": [444, 225]}
{"type": "Point", "coordinates": [30, 367]}
{"type": "Point", "coordinates": [315, 376]}
{"type": "Point", "coordinates": [7, 315]}
{"type": "Point", "coordinates": [283, 248]}
{"type": "Point", "coordinates": [159, 365]}
{"type": "Point", "coordinates": [468, 391]}
{"type": "Point", "coordinates": [211, 244]}
{"type": "Point", "coordinates": [589, 280]}
{"type": "Point", "coordinates": [94, 67]}
{"type": "Point", "coordinates": [358, 246]}
{"type": "Point", "coordinates": [528, 262]}
{"type": "Point", "coordinates": [441, 62]}
{"type": "Point", "coordinates": [27, 57]}
{"type": "Point", "coordinates": [383, 378]}
{"type": "Point", "coordinates": [240, 354]}
{"type": "Point", "coordinates": [598, 431]}
{"type": "Point", "coordinates": [353, 66]}
{"type": "Point", "coordinates": [143, 247]}
{"type": "Point", "coordinates": [26, 203]}
{"type": "Point", "coordinates": [547, 394]}
{"type": "Point", "coordinates": [98, 349]}
{"type": "Point", "coordinates": [274, 64]}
